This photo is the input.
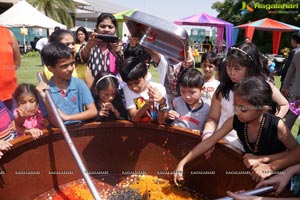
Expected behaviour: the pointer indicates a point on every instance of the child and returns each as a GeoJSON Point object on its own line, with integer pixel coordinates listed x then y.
{"type": "Point", "coordinates": [260, 132]}
{"type": "Point", "coordinates": [66, 37]}
{"type": "Point", "coordinates": [189, 110]}
{"type": "Point", "coordinates": [208, 65]}
{"type": "Point", "coordinates": [169, 71]}
{"type": "Point", "coordinates": [7, 132]}
{"type": "Point", "coordinates": [145, 100]}
{"type": "Point", "coordinates": [28, 117]}
{"type": "Point", "coordinates": [108, 101]}
{"type": "Point", "coordinates": [243, 60]}
{"type": "Point", "coordinates": [71, 95]}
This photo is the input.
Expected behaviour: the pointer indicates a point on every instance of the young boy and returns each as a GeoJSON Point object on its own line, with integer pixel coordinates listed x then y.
{"type": "Point", "coordinates": [189, 110]}
{"type": "Point", "coordinates": [145, 100]}
{"type": "Point", "coordinates": [6, 128]}
{"type": "Point", "coordinates": [71, 95]}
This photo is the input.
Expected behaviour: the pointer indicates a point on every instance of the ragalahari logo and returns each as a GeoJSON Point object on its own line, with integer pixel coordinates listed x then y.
{"type": "Point", "coordinates": [246, 8]}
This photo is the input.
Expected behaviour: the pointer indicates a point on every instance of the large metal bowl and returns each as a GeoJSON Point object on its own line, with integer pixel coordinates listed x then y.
{"type": "Point", "coordinates": [159, 35]}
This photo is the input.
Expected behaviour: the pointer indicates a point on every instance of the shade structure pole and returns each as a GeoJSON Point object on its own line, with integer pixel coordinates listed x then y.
{"type": "Point", "coordinates": [70, 143]}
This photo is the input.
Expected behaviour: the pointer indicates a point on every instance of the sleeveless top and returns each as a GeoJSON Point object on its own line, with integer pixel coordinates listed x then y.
{"type": "Point", "coordinates": [227, 111]}
{"type": "Point", "coordinates": [8, 77]}
{"type": "Point", "coordinates": [268, 141]}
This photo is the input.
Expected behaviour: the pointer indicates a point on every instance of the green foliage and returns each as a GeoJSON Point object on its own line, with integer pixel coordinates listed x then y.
{"type": "Point", "coordinates": [59, 10]}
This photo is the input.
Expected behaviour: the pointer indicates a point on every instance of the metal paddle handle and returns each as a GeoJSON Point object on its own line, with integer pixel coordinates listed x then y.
{"type": "Point", "coordinates": [257, 191]}
{"type": "Point", "coordinates": [70, 143]}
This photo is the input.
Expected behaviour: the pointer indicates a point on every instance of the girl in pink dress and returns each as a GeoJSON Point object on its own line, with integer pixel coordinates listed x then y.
{"type": "Point", "coordinates": [28, 116]}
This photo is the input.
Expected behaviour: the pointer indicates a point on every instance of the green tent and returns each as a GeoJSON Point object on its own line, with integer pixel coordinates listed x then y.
{"type": "Point", "coordinates": [119, 17]}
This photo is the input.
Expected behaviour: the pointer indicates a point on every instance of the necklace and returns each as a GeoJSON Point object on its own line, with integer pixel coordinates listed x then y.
{"type": "Point", "coordinates": [258, 137]}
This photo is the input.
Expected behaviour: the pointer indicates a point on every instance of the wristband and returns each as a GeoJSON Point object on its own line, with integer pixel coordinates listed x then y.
{"type": "Point", "coordinates": [206, 133]}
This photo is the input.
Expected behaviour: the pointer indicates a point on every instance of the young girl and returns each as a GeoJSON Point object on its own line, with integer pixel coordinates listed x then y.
{"type": "Point", "coordinates": [189, 110]}
{"type": "Point", "coordinates": [107, 99]}
{"type": "Point", "coordinates": [243, 60]}
{"type": "Point", "coordinates": [145, 100]}
{"type": "Point", "coordinates": [260, 132]}
{"type": "Point", "coordinates": [208, 65]}
{"type": "Point", "coordinates": [28, 116]}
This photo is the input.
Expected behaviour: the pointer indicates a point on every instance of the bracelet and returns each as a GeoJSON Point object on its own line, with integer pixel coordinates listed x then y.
{"type": "Point", "coordinates": [206, 133]}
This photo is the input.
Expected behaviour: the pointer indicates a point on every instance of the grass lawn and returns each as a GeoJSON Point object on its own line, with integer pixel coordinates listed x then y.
{"type": "Point", "coordinates": [27, 73]}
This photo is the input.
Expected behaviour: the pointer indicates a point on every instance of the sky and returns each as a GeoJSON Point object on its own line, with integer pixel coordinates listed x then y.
{"type": "Point", "coordinates": [170, 9]}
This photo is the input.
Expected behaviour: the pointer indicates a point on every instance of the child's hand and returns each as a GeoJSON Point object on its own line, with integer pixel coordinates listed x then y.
{"type": "Point", "coordinates": [4, 146]}
{"type": "Point", "coordinates": [178, 175]}
{"type": "Point", "coordinates": [62, 115]}
{"type": "Point", "coordinates": [251, 160]}
{"type": "Point", "coordinates": [41, 87]}
{"type": "Point", "coordinates": [172, 115]}
{"type": "Point", "coordinates": [211, 150]}
{"type": "Point", "coordinates": [35, 133]}
{"type": "Point", "coordinates": [155, 95]}
{"type": "Point", "coordinates": [107, 106]}
{"type": "Point", "coordinates": [44, 122]}
{"type": "Point", "coordinates": [261, 171]}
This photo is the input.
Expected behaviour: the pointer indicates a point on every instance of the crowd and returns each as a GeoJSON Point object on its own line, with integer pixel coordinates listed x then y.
{"type": "Point", "coordinates": [233, 99]}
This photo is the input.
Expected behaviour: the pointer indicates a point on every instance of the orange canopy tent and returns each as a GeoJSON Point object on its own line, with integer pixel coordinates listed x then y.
{"type": "Point", "coordinates": [268, 24]}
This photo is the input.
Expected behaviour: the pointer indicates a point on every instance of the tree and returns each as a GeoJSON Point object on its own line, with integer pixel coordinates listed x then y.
{"type": "Point", "coordinates": [59, 10]}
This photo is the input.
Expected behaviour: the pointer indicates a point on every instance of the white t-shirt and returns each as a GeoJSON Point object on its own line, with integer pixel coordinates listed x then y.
{"type": "Point", "coordinates": [209, 90]}
{"type": "Point", "coordinates": [130, 96]}
{"type": "Point", "coordinates": [227, 111]}
{"type": "Point", "coordinates": [41, 43]}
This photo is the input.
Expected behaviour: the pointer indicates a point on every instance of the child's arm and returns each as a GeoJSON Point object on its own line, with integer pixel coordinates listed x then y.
{"type": "Point", "coordinates": [285, 136]}
{"type": "Point", "coordinates": [19, 117]}
{"type": "Point", "coordinates": [41, 88]}
{"type": "Point", "coordinates": [136, 114]}
{"type": "Point", "coordinates": [213, 118]}
{"type": "Point", "coordinates": [280, 100]}
{"type": "Point", "coordinates": [89, 113]}
{"type": "Point", "coordinates": [202, 147]}
{"type": "Point", "coordinates": [156, 96]}
{"type": "Point", "coordinates": [172, 115]}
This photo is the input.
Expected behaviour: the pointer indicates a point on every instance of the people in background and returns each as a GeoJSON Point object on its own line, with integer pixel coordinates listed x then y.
{"type": "Point", "coordinates": [99, 54]}
{"type": "Point", "coordinates": [40, 45]}
{"type": "Point", "coordinates": [209, 66]}
{"type": "Point", "coordinates": [292, 81]}
{"type": "Point", "coordinates": [206, 44]}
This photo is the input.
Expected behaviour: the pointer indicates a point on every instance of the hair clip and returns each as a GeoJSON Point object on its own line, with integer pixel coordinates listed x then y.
{"type": "Point", "coordinates": [103, 77]}
{"type": "Point", "coordinates": [241, 50]}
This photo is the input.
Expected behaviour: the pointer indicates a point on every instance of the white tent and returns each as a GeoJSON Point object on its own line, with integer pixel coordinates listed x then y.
{"type": "Point", "coordinates": [22, 14]}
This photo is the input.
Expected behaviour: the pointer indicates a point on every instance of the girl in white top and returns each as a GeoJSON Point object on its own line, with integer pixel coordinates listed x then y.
{"type": "Point", "coordinates": [243, 60]}
{"type": "Point", "coordinates": [208, 65]}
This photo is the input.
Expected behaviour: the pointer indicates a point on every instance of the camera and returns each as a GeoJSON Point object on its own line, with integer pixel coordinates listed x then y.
{"type": "Point", "coordinates": [107, 38]}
